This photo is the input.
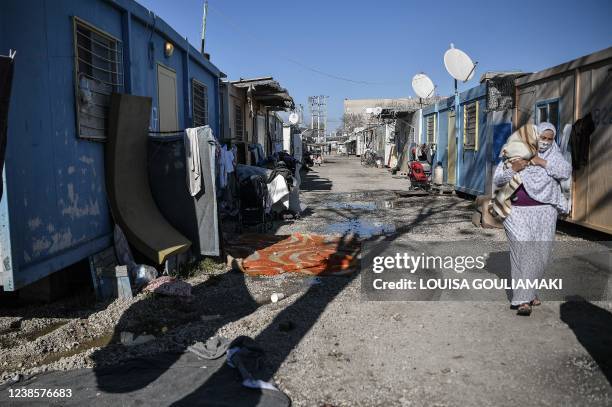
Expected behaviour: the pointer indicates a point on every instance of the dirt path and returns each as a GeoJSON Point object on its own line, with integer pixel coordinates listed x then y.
{"type": "Point", "coordinates": [326, 344]}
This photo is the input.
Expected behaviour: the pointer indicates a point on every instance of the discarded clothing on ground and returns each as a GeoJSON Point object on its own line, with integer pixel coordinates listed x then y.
{"type": "Point", "coordinates": [170, 378]}
{"type": "Point", "coordinates": [170, 286]}
{"type": "Point", "coordinates": [243, 354]}
{"type": "Point", "coordinates": [213, 348]}
{"type": "Point", "coordinates": [298, 253]}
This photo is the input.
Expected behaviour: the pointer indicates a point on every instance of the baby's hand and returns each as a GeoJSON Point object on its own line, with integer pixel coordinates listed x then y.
{"type": "Point", "coordinates": [519, 165]}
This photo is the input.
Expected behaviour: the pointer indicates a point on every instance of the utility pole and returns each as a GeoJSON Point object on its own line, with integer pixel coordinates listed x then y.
{"type": "Point", "coordinates": [204, 14]}
{"type": "Point", "coordinates": [323, 110]}
{"type": "Point", "coordinates": [318, 109]}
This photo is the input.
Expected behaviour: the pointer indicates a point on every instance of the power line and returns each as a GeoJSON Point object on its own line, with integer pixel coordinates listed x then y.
{"type": "Point", "coordinates": [239, 30]}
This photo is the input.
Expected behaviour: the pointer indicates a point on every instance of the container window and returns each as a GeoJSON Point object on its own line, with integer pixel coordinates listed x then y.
{"type": "Point", "coordinates": [548, 111]}
{"type": "Point", "coordinates": [542, 114]}
{"type": "Point", "coordinates": [431, 129]}
{"type": "Point", "coordinates": [199, 95]}
{"type": "Point", "coordinates": [99, 72]}
{"type": "Point", "coordinates": [470, 126]}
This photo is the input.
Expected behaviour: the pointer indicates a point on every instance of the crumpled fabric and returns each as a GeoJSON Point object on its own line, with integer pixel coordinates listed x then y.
{"type": "Point", "coordinates": [242, 354]}
{"type": "Point", "coordinates": [278, 191]}
{"type": "Point", "coordinates": [213, 348]}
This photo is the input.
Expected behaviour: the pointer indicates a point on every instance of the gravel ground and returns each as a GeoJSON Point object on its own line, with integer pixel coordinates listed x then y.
{"type": "Point", "coordinates": [326, 345]}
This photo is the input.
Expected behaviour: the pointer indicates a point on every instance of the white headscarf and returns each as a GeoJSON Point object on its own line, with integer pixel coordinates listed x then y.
{"type": "Point", "coordinates": [544, 145]}
{"type": "Point", "coordinates": [542, 127]}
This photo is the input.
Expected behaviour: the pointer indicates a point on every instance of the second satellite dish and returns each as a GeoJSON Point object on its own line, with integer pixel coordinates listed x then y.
{"type": "Point", "coordinates": [423, 86]}
{"type": "Point", "coordinates": [294, 118]}
{"type": "Point", "coordinates": [458, 64]}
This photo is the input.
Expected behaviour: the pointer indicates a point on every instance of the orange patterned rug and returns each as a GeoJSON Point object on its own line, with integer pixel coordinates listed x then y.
{"type": "Point", "coordinates": [268, 255]}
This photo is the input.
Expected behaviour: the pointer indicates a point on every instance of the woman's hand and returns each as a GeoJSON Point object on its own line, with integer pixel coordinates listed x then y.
{"type": "Point", "coordinates": [519, 165]}
{"type": "Point", "coordinates": [538, 161]}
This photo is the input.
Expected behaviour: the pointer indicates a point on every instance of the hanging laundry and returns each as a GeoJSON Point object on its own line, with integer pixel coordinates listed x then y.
{"type": "Point", "coordinates": [227, 160]}
{"type": "Point", "coordinates": [193, 164]}
{"type": "Point", "coordinates": [580, 140]}
{"type": "Point", "coordinates": [566, 184]}
{"type": "Point", "coordinates": [260, 153]}
{"type": "Point", "coordinates": [209, 233]}
{"type": "Point", "coordinates": [6, 79]}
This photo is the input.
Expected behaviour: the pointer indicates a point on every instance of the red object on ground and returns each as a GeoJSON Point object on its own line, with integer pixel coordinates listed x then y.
{"type": "Point", "coordinates": [417, 172]}
{"type": "Point", "coordinates": [267, 255]}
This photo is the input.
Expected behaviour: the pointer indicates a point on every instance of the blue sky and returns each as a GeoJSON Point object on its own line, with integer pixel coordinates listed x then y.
{"type": "Point", "coordinates": [384, 43]}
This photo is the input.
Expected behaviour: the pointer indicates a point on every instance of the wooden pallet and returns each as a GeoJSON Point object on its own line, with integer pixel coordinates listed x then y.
{"type": "Point", "coordinates": [442, 189]}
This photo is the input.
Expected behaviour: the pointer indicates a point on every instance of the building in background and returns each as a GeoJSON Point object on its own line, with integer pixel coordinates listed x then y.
{"type": "Point", "coordinates": [262, 98]}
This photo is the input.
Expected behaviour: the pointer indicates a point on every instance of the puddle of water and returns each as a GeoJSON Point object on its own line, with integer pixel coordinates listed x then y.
{"type": "Point", "coordinates": [412, 193]}
{"type": "Point", "coordinates": [31, 336]}
{"type": "Point", "coordinates": [98, 342]}
{"type": "Point", "coordinates": [408, 204]}
{"type": "Point", "coordinates": [363, 228]}
{"type": "Point", "coordinates": [6, 343]}
{"type": "Point", "coordinates": [366, 206]}
{"type": "Point", "coordinates": [362, 195]}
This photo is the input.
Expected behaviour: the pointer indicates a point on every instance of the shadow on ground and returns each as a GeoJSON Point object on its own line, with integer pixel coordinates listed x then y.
{"type": "Point", "coordinates": [592, 326]}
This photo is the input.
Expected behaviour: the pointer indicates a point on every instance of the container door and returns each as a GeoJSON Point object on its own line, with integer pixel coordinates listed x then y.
{"type": "Point", "coordinates": [166, 96]}
{"type": "Point", "coordinates": [452, 149]}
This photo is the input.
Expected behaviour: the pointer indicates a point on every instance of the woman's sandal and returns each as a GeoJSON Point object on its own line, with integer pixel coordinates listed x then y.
{"type": "Point", "coordinates": [524, 309]}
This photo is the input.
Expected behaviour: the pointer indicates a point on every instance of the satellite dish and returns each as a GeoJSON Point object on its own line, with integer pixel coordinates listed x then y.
{"type": "Point", "coordinates": [294, 118]}
{"type": "Point", "coordinates": [369, 110]}
{"type": "Point", "coordinates": [377, 110]}
{"type": "Point", "coordinates": [423, 86]}
{"type": "Point", "coordinates": [458, 64]}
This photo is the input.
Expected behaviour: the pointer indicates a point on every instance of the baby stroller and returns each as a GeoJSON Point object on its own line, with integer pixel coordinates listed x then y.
{"type": "Point", "coordinates": [419, 172]}
{"type": "Point", "coordinates": [253, 204]}
{"type": "Point", "coordinates": [418, 175]}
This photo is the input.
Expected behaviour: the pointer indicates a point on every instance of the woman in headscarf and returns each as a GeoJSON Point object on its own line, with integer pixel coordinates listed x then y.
{"type": "Point", "coordinates": [535, 204]}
